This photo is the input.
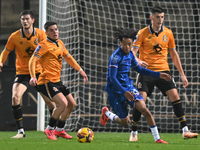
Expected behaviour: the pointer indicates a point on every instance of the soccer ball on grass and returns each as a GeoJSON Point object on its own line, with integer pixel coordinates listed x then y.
{"type": "Point", "coordinates": [85, 135]}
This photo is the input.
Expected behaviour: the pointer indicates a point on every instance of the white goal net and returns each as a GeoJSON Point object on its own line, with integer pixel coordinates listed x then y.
{"type": "Point", "coordinates": [86, 27]}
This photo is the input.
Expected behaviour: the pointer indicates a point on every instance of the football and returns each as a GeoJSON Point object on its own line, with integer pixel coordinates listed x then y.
{"type": "Point", "coordinates": [85, 135]}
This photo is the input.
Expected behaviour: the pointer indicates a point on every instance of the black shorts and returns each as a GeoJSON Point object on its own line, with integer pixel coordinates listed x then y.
{"type": "Point", "coordinates": [50, 89]}
{"type": "Point", "coordinates": [147, 83]}
{"type": "Point", "coordinates": [24, 79]}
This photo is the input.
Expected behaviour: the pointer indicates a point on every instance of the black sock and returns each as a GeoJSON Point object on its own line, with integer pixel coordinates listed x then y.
{"type": "Point", "coordinates": [135, 120]}
{"type": "Point", "coordinates": [61, 124]}
{"type": "Point", "coordinates": [52, 122]}
{"type": "Point", "coordinates": [17, 112]}
{"type": "Point", "coordinates": [178, 110]}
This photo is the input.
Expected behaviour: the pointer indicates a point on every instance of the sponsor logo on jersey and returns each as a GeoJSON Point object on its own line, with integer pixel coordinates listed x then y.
{"type": "Point", "coordinates": [59, 58]}
{"type": "Point", "coordinates": [157, 48]}
{"type": "Point", "coordinates": [30, 51]}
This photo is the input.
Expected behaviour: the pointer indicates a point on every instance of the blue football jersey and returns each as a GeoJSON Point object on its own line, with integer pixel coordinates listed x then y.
{"type": "Point", "coordinates": [123, 63]}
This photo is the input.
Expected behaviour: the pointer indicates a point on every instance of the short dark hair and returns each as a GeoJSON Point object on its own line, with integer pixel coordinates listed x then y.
{"type": "Point", "coordinates": [49, 23]}
{"type": "Point", "coordinates": [26, 12]}
{"type": "Point", "coordinates": [157, 9]}
{"type": "Point", "coordinates": [121, 33]}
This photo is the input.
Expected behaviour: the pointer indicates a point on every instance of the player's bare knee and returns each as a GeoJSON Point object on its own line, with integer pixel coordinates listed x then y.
{"type": "Point", "coordinates": [16, 99]}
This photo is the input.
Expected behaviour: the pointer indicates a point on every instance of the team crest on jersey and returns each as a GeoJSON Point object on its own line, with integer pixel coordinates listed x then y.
{"type": "Point", "coordinates": [165, 38]}
{"type": "Point", "coordinates": [36, 41]}
{"type": "Point", "coordinates": [115, 59]}
{"type": "Point", "coordinates": [139, 85]}
{"type": "Point", "coordinates": [55, 89]}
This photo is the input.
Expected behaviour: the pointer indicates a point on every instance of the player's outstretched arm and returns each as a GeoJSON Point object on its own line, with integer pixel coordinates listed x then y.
{"type": "Point", "coordinates": [72, 62]}
{"type": "Point", "coordinates": [148, 72]}
{"type": "Point", "coordinates": [84, 75]}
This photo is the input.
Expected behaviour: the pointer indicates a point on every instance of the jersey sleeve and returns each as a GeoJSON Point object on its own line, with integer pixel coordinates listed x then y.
{"type": "Point", "coordinates": [114, 60]}
{"type": "Point", "coordinates": [41, 50]}
{"type": "Point", "coordinates": [172, 44]}
{"type": "Point", "coordinates": [65, 51]}
{"type": "Point", "coordinates": [10, 45]}
{"type": "Point", "coordinates": [138, 41]}
{"type": "Point", "coordinates": [146, 72]}
{"type": "Point", "coordinates": [112, 69]}
{"type": "Point", "coordinates": [134, 63]}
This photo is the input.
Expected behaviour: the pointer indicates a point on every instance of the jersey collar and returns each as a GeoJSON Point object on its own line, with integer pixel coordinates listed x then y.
{"type": "Point", "coordinates": [53, 41]}
{"type": "Point", "coordinates": [152, 31]}
{"type": "Point", "coordinates": [24, 36]}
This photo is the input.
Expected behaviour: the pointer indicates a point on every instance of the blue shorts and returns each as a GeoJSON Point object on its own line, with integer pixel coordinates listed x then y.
{"type": "Point", "coordinates": [118, 102]}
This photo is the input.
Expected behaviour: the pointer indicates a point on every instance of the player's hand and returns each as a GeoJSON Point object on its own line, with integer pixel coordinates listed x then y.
{"type": "Point", "coordinates": [184, 80]}
{"type": "Point", "coordinates": [143, 64]}
{"type": "Point", "coordinates": [33, 81]}
{"type": "Point", "coordinates": [165, 76]}
{"type": "Point", "coordinates": [1, 65]}
{"type": "Point", "coordinates": [129, 96]}
{"type": "Point", "coordinates": [84, 75]}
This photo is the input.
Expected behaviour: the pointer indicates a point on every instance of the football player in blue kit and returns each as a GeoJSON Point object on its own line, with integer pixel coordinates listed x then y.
{"type": "Point", "coordinates": [120, 89]}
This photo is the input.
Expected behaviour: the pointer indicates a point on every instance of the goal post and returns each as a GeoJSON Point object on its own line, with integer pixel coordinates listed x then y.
{"type": "Point", "coordinates": [41, 103]}
{"type": "Point", "coordinates": [86, 28]}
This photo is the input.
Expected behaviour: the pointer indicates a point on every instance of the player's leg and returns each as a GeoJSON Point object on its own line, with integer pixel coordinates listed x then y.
{"type": "Point", "coordinates": [51, 105]}
{"type": "Point", "coordinates": [171, 91]}
{"type": "Point", "coordinates": [145, 85]}
{"type": "Point", "coordinates": [59, 131]}
{"type": "Point", "coordinates": [178, 110]}
{"type": "Point", "coordinates": [115, 118]}
{"type": "Point", "coordinates": [52, 92]}
{"type": "Point", "coordinates": [18, 90]}
{"type": "Point", "coordinates": [62, 103]}
{"type": "Point", "coordinates": [135, 120]}
{"type": "Point", "coordinates": [141, 106]}
{"type": "Point", "coordinates": [120, 115]}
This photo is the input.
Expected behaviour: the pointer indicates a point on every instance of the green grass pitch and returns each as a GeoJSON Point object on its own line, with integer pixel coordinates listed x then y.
{"type": "Point", "coordinates": [102, 141]}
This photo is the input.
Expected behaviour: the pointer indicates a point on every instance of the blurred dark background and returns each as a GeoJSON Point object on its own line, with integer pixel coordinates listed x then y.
{"type": "Point", "coordinates": [9, 22]}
